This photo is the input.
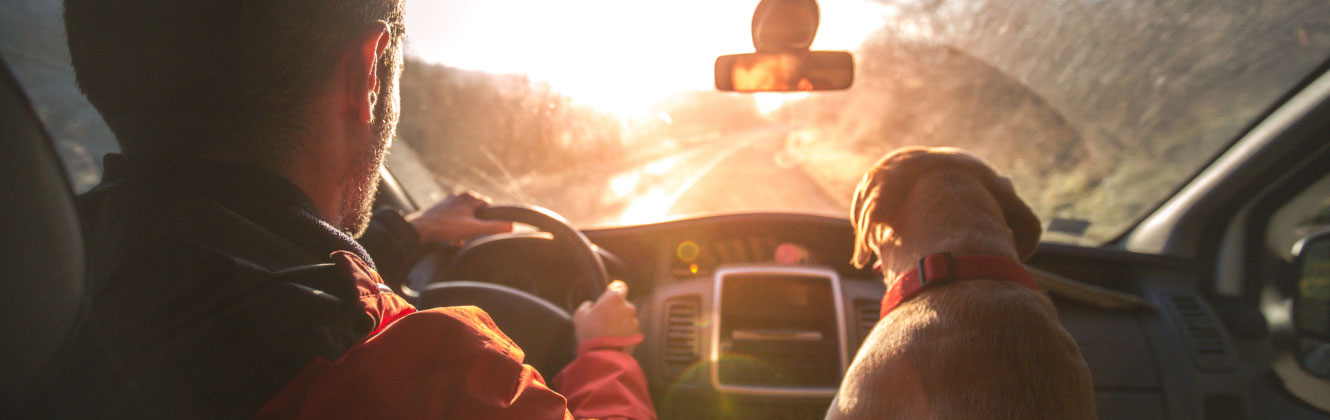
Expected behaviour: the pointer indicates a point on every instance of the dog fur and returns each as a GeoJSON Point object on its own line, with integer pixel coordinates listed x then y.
{"type": "Point", "coordinates": [977, 349]}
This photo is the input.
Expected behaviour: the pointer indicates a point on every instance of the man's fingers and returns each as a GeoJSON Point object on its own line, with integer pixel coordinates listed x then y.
{"type": "Point", "coordinates": [487, 227]}
{"type": "Point", "coordinates": [475, 203]}
{"type": "Point", "coordinates": [466, 195]}
{"type": "Point", "coordinates": [611, 316]}
{"type": "Point", "coordinates": [612, 297]}
{"type": "Point", "coordinates": [473, 199]}
{"type": "Point", "coordinates": [583, 308]}
{"type": "Point", "coordinates": [496, 226]}
{"type": "Point", "coordinates": [617, 291]}
{"type": "Point", "coordinates": [618, 286]}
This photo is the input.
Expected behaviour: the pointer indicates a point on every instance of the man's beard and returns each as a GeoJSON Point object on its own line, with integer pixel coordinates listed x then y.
{"type": "Point", "coordinates": [363, 182]}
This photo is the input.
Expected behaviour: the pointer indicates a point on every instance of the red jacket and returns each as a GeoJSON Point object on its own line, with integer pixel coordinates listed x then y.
{"type": "Point", "coordinates": [453, 363]}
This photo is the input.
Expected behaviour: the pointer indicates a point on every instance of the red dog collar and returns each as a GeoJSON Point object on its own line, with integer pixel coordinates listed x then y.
{"type": "Point", "coordinates": [939, 270]}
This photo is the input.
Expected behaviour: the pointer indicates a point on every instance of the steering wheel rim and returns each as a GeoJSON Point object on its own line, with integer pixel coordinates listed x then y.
{"type": "Point", "coordinates": [588, 261]}
{"type": "Point", "coordinates": [541, 328]}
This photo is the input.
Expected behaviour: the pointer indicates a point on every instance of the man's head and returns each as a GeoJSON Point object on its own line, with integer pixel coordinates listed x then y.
{"type": "Point", "coordinates": [257, 82]}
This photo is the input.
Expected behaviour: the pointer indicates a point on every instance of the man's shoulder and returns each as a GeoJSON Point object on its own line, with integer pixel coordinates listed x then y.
{"type": "Point", "coordinates": [133, 226]}
{"type": "Point", "coordinates": [153, 250]}
{"type": "Point", "coordinates": [188, 288]}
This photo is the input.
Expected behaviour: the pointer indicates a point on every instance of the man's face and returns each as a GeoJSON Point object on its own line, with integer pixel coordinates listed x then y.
{"type": "Point", "coordinates": [363, 181]}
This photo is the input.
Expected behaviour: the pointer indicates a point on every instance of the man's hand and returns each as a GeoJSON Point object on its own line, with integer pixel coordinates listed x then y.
{"type": "Point", "coordinates": [611, 316]}
{"type": "Point", "coordinates": [454, 220]}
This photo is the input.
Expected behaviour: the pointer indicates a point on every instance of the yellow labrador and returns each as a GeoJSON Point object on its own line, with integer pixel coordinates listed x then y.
{"type": "Point", "coordinates": [964, 334]}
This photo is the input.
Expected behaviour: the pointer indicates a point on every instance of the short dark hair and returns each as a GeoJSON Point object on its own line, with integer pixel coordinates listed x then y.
{"type": "Point", "coordinates": [210, 77]}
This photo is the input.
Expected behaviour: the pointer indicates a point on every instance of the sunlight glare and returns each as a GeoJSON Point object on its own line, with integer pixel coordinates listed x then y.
{"type": "Point", "coordinates": [649, 207]}
{"type": "Point", "coordinates": [617, 56]}
{"type": "Point", "coordinates": [768, 102]}
{"type": "Point", "coordinates": [660, 167]}
{"type": "Point", "coordinates": [624, 184]}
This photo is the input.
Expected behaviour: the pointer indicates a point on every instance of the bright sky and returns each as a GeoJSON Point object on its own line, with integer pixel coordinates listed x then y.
{"type": "Point", "coordinates": [619, 56]}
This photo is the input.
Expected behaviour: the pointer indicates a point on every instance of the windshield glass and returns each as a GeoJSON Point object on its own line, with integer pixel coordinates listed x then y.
{"type": "Point", "coordinates": [604, 110]}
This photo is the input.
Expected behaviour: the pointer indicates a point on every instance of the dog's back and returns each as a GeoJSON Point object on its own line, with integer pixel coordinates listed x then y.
{"type": "Point", "coordinates": [974, 350]}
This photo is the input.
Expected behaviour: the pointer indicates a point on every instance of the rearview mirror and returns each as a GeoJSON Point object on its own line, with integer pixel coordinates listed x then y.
{"type": "Point", "coordinates": [1311, 305]}
{"type": "Point", "coordinates": [792, 71]}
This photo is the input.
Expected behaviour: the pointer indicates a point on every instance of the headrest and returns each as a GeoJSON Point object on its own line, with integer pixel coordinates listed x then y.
{"type": "Point", "coordinates": [41, 248]}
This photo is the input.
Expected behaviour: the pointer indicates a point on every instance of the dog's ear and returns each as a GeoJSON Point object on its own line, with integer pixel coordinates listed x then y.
{"type": "Point", "coordinates": [1024, 224]}
{"type": "Point", "coordinates": [879, 194]}
{"type": "Point", "coordinates": [875, 202]}
{"type": "Point", "coordinates": [861, 218]}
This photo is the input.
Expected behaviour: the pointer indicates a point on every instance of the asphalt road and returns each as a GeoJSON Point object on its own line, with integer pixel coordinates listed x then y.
{"type": "Point", "coordinates": [743, 172]}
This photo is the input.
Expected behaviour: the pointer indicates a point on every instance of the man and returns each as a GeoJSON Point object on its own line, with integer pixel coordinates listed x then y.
{"type": "Point", "coordinates": [225, 279]}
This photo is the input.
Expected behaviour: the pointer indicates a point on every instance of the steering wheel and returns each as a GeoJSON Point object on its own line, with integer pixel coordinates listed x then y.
{"type": "Point", "coordinates": [542, 329]}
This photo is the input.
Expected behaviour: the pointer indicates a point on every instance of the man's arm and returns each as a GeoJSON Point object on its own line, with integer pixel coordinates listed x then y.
{"type": "Point", "coordinates": [455, 363]}
{"type": "Point", "coordinates": [395, 241]}
{"type": "Point", "coordinates": [605, 381]}
{"type": "Point", "coordinates": [605, 384]}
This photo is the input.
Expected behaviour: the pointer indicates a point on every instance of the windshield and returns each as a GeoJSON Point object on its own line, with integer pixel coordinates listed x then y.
{"type": "Point", "coordinates": [604, 110]}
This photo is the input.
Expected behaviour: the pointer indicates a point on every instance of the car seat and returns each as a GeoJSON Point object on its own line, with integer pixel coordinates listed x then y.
{"type": "Point", "coordinates": [43, 291]}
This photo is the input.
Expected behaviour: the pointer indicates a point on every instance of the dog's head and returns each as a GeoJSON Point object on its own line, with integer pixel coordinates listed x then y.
{"type": "Point", "coordinates": [883, 190]}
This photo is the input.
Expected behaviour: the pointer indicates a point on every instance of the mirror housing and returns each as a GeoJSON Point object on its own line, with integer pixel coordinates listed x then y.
{"type": "Point", "coordinates": [794, 71]}
{"type": "Point", "coordinates": [783, 30]}
{"type": "Point", "coordinates": [1311, 303]}
{"type": "Point", "coordinates": [785, 25]}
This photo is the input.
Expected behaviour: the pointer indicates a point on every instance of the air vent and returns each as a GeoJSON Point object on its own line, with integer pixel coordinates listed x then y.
{"type": "Point", "coordinates": [867, 312]}
{"type": "Point", "coordinates": [1203, 331]}
{"type": "Point", "coordinates": [682, 336]}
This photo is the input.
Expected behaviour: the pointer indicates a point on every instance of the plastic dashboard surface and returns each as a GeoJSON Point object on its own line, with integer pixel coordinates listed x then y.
{"type": "Point", "coordinates": [1173, 361]}
{"type": "Point", "coordinates": [778, 331]}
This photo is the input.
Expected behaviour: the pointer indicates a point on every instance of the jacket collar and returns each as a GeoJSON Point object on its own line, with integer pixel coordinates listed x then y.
{"type": "Point", "coordinates": [233, 183]}
{"type": "Point", "coordinates": [261, 196]}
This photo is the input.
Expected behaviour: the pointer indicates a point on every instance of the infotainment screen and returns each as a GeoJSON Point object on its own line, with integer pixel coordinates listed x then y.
{"type": "Point", "coordinates": [778, 330]}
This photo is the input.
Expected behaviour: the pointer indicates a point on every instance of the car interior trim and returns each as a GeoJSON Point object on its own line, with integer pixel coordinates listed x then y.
{"type": "Point", "coordinates": [838, 301]}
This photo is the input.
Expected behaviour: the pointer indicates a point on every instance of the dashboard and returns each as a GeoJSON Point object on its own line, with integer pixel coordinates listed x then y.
{"type": "Point", "coordinates": [758, 316]}
{"type": "Point", "coordinates": [746, 316]}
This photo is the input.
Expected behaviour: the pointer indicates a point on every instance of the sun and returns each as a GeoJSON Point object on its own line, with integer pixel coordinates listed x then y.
{"type": "Point", "coordinates": [617, 56]}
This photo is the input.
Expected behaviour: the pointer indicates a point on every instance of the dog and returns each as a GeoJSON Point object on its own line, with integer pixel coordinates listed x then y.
{"type": "Point", "coordinates": [984, 347]}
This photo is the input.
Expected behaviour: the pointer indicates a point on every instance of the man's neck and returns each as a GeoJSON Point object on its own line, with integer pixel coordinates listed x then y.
{"type": "Point", "coordinates": [321, 169]}
{"type": "Point", "coordinates": [327, 197]}
{"type": "Point", "coordinates": [309, 173]}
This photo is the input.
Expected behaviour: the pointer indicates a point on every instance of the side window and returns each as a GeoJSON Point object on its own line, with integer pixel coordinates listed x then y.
{"type": "Point", "coordinates": [32, 44]}
{"type": "Point", "coordinates": [1307, 213]}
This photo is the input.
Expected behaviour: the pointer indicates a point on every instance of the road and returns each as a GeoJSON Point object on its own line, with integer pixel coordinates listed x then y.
{"type": "Point", "coordinates": [739, 172]}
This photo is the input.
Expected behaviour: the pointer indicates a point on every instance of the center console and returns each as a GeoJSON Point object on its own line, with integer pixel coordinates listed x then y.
{"type": "Point", "coordinates": [780, 331]}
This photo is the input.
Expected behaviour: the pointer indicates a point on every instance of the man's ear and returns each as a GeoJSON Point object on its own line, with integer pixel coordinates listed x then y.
{"type": "Point", "coordinates": [363, 72]}
{"type": "Point", "coordinates": [1024, 224]}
